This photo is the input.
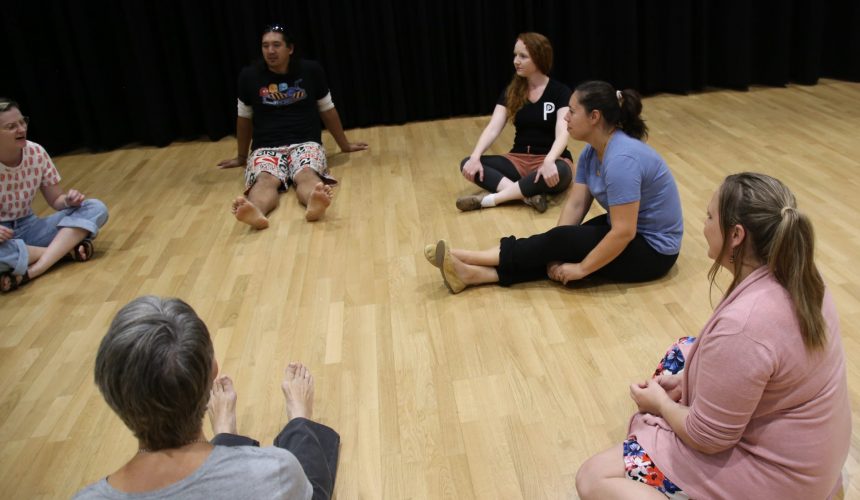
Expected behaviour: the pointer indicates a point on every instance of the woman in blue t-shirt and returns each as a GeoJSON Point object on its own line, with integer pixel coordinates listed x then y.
{"type": "Point", "coordinates": [539, 162]}
{"type": "Point", "coordinates": [637, 240]}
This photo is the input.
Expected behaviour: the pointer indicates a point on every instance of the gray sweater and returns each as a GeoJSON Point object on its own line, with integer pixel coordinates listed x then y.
{"type": "Point", "coordinates": [228, 472]}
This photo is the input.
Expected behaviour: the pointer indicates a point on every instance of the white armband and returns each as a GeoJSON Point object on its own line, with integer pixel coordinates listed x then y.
{"type": "Point", "coordinates": [325, 103]}
{"type": "Point", "coordinates": [244, 110]}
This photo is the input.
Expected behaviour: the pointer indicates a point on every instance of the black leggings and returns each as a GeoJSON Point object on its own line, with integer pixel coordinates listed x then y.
{"type": "Point", "coordinates": [525, 259]}
{"type": "Point", "coordinates": [315, 445]}
{"type": "Point", "coordinates": [498, 167]}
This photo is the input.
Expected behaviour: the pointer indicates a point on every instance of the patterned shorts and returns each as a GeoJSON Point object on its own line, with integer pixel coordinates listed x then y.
{"type": "Point", "coordinates": [287, 161]}
{"type": "Point", "coordinates": [637, 463]}
{"type": "Point", "coordinates": [673, 361]}
{"type": "Point", "coordinates": [640, 468]}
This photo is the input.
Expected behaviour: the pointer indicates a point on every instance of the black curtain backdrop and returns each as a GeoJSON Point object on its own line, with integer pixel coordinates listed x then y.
{"type": "Point", "coordinates": [100, 75]}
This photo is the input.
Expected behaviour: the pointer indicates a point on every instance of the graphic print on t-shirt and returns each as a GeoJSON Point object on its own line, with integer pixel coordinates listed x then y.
{"type": "Point", "coordinates": [281, 94]}
{"type": "Point", "coordinates": [548, 109]}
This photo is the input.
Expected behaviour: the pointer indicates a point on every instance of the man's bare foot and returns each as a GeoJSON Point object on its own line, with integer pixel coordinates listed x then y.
{"type": "Point", "coordinates": [318, 202]}
{"type": "Point", "coordinates": [247, 212]}
{"type": "Point", "coordinates": [222, 406]}
{"type": "Point", "coordinates": [298, 387]}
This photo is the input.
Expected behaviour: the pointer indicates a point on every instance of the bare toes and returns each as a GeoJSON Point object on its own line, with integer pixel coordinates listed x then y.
{"type": "Point", "coordinates": [291, 369]}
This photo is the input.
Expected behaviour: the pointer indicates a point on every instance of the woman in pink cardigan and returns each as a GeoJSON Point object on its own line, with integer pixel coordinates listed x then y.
{"type": "Point", "coordinates": [762, 408]}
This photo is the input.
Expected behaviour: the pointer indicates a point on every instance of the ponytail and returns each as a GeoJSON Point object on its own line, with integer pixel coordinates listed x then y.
{"type": "Point", "coordinates": [780, 236]}
{"type": "Point", "coordinates": [790, 261]}
{"type": "Point", "coordinates": [631, 121]}
{"type": "Point", "coordinates": [619, 108]}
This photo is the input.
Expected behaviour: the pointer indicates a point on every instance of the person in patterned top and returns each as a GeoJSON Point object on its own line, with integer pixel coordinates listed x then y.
{"type": "Point", "coordinates": [280, 105]}
{"type": "Point", "coordinates": [30, 245]}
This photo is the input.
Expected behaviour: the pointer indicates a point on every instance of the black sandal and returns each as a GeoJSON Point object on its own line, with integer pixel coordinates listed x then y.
{"type": "Point", "coordinates": [10, 282]}
{"type": "Point", "coordinates": [87, 247]}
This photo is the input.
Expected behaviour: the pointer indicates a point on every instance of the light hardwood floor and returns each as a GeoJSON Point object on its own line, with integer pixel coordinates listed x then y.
{"type": "Point", "coordinates": [493, 393]}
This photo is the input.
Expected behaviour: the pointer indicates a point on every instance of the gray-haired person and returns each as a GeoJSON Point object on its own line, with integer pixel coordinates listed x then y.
{"type": "Point", "coordinates": [156, 369]}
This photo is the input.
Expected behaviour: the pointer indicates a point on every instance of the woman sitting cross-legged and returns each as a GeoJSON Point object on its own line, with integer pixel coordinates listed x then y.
{"type": "Point", "coordinates": [757, 406]}
{"type": "Point", "coordinates": [30, 245]}
{"type": "Point", "coordinates": [156, 369]}
{"type": "Point", "coordinates": [539, 163]}
{"type": "Point", "coordinates": [638, 240]}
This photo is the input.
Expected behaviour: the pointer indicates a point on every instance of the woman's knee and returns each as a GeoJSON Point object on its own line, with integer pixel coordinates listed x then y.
{"type": "Point", "coordinates": [96, 211]}
{"type": "Point", "coordinates": [569, 237]}
{"type": "Point", "coordinates": [586, 479]}
{"type": "Point", "coordinates": [98, 207]}
{"type": "Point", "coordinates": [14, 256]}
{"type": "Point", "coordinates": [463, 163]}
{"type": "Point", "coordinates": [565, 175]}
{"type": "Point", "coordinates": [605, 465]}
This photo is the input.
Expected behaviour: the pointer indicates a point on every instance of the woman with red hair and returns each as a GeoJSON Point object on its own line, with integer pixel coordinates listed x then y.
{"type": "Point", "coordinates": [539, 162]}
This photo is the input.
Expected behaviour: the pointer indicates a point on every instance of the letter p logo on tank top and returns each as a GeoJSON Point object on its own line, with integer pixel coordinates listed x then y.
{"type": "Point", "coordinates": [548, 109]}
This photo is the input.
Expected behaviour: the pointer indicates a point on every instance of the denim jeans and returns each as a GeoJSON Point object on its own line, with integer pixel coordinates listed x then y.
{"type": "Point", "coordinates": [39, 232]}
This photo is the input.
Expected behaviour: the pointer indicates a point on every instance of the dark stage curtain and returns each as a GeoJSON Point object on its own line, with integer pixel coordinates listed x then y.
{"type": "Point", "coordinates": [99, 75]}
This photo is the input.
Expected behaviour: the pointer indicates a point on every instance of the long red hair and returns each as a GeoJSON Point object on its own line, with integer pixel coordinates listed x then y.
{"type": "Point", "coordinates": [540, 51]}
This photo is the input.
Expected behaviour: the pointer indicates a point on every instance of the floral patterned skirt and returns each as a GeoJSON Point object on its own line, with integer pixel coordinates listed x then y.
{"type": "Point", "coordinates": [637, 463]}
{"type": "Point", "coordinates": [640, 468]}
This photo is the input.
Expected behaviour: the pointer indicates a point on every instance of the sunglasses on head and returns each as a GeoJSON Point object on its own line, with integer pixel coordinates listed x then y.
{"type": "Point", "coordinates": [5, 105]}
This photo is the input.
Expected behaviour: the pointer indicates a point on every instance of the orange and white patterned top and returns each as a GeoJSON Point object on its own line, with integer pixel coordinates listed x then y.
{"type": "Point", "coordinates": [18, 185]}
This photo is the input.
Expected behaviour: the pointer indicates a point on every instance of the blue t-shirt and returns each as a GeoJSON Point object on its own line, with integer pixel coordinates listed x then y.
{"type": "Point", "coordinates": [632, 171]}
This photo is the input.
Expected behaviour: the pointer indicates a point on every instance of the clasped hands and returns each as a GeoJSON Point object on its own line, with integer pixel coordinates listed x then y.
{"type": "Point", "coordinates": [565, 272]}
{"type": "Point", "coordinates": [653, 394]}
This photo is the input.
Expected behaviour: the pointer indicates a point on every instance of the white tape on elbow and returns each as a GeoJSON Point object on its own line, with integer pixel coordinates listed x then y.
{"type": "Point", "coordinates": [325, 103]}
{"type": "Point", "coordinates": [244, 110]}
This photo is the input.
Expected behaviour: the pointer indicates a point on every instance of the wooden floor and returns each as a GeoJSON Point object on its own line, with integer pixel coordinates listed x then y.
{"type": "Point", "coordinates": [493, 393]}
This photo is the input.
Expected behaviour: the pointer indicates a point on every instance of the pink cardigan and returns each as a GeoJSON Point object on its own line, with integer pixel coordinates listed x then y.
{"type": "Point", "coordinates": [773, 417]}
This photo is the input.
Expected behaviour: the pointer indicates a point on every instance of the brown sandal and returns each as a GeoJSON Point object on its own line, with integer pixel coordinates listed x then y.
{"type": "Point", "coordinates": [10, 282]}
{"type": "Point", "coordinates": [85, 247]}
{"type": "Point", "coordinates": [539, 202]}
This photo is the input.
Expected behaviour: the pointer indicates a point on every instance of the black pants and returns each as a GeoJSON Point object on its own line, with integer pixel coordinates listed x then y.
{"type": "Point", "coordinates": [498, 167]}
{"type": "Point", "coordinates": [315, 445]}
{"type": "Point", "coordinates": [525, 259]}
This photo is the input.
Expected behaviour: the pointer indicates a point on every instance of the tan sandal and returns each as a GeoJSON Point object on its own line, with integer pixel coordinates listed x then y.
{"type": "Point", "coordinates": [445, 263]}
{"type": "Point", "coordinates": [430, 254]}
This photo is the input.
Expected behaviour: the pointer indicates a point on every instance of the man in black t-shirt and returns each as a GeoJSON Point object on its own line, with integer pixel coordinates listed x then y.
{"type": "Point", "coordinates": [279, 107]}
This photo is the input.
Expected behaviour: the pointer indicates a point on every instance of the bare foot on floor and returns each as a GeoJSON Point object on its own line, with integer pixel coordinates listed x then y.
{"type": "Point", "coordinates": [222, 406]}
{"type": "Point", "coordinates": [298, 387]}
{"type": "Point", "coordinates": [318, 202]}
{"type": "Point", "coordinates": [247, 212]}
